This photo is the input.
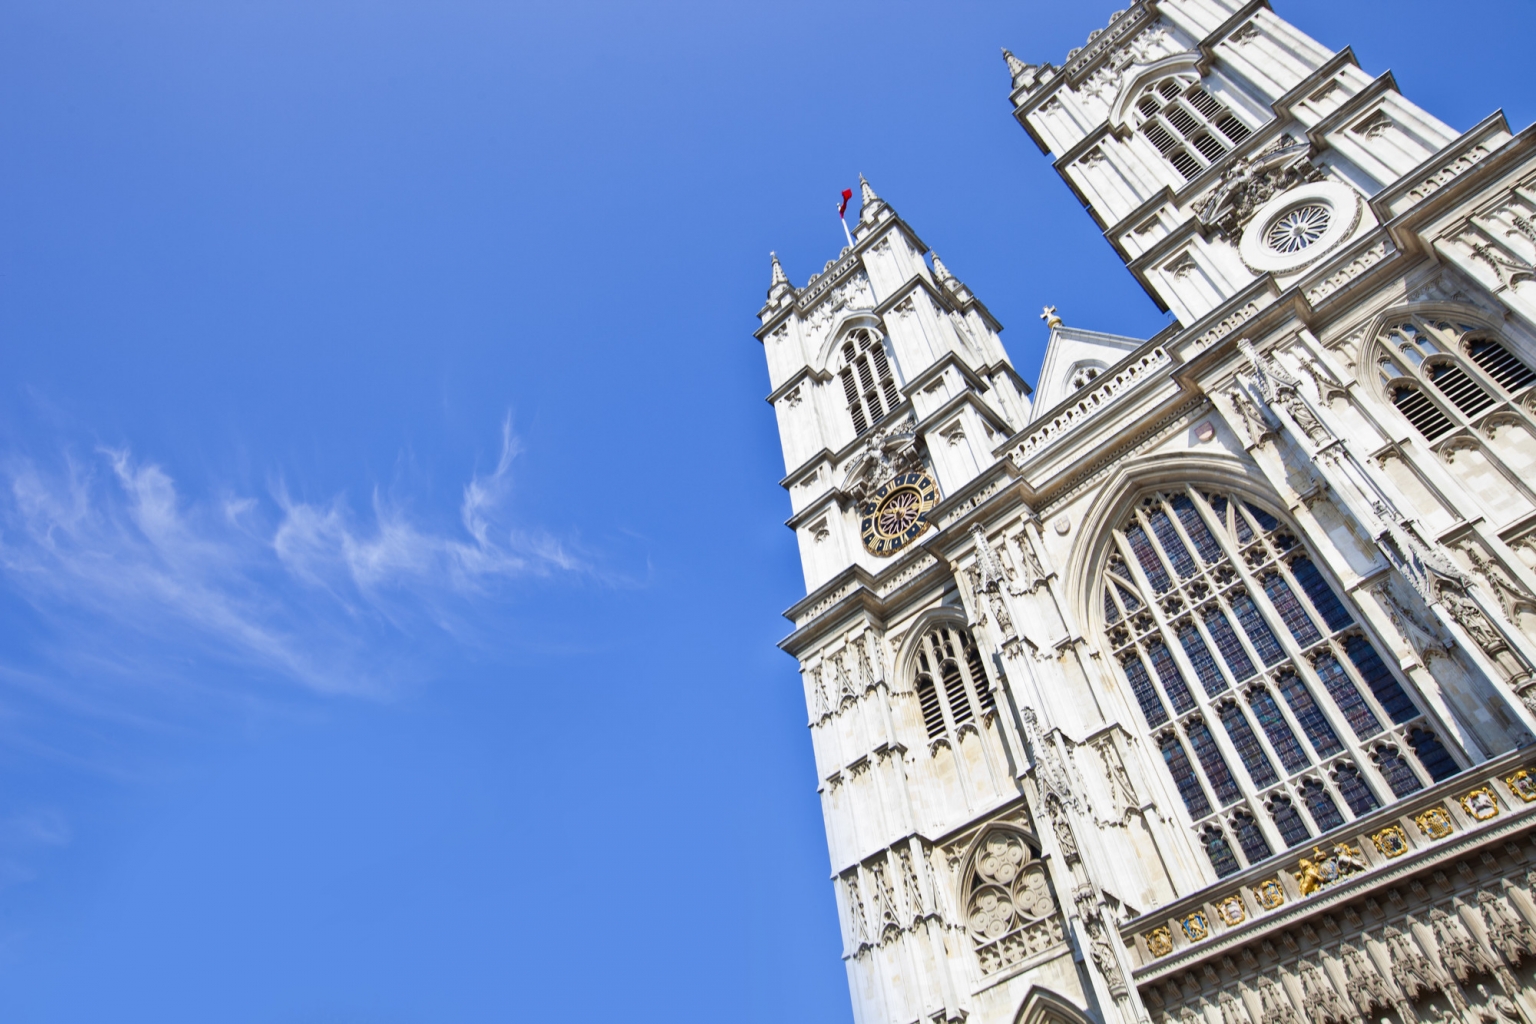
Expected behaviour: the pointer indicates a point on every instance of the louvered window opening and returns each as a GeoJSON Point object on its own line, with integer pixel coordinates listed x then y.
{"type": "Point", "coordinates": [1275, 717]}
{"type": "Point", "coordinates": [1187, 125]}
{"type": "Point", "coordinates": [952, 686]}
{"type": "Point", "coordinates": [867, 382]}
{"type": "Point", "coordinates": [1441, 374]}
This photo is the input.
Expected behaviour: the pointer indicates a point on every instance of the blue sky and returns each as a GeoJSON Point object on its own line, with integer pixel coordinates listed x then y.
{"type": "Point", "coordinates": [391, 552]}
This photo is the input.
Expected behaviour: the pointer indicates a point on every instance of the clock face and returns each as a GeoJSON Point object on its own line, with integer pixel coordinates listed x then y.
{"type": "Point", "coordinates": [897, 513]}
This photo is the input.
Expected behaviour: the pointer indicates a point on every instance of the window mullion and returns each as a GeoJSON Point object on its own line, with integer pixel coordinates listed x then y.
{"type": "Point", "coordinates": [1300, 665]}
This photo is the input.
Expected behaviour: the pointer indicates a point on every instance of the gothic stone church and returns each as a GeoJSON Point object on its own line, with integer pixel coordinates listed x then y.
{"type": "Point", "coordinates": [1198, 684]}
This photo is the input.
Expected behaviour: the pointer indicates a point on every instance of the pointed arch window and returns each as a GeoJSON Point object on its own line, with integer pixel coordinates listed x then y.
{"type": "Point", "coordinates": [1186, 124]}
{"type": "Point", "coordinates": [1295, 716]}
{"type": "Point", "coordinates": [867, 382]}
{"type": "Point", "coordinates": [952, 686]}
{"type": "Point", "coordinates": [1443, 373]}
{"type": "Point", "coordinates": [1010, 905]}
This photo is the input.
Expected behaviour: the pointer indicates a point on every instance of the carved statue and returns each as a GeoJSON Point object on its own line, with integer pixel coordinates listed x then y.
{"type": "Point", "coordinates": [1497, 1008]}
{"type": "Point", "coordinates": [1304, 417]}
{"type": "Point", "coordinates": [1471, 618]}
{"type": "Point", "coordinates": [1308, 877]}
{"type": "Point", "coordinates": [1064, 838]}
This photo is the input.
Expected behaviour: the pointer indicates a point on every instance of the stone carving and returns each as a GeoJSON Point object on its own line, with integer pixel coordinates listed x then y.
{"type": "Point", "coordinates": [1497, 1008]}
{"type": "Point", "coordinates": [1254, 421]}
{"type": "Point", "coordinates": [1458, 953]}
{"type": "Point", "coordinates": [1320, 1001]}
{"type": "Point", "coordinates": [886, 452]}
{"type": "Point", "coordinates": [1010, 912]}
{"type": "Point", "coordinates": [1510, 595]}
{"type": "Point", "coordinates": [1511, 937]}
{"type": "Point", "coordinates": [1365, 985]}
{"type": "Point", "coordinates": [1120, 789]}
{"type": "Point", "coordinates": [1249, 183]}
{"type": "Point", "coordinates": [1064, 839]}
{"type": "Point", "coordinates": [1086, 403]}
{"type": "Point", "coordinates": [1232, 1009]}
{"type": "Point", "coordinates": [1033, 573]}
{"type": "Point", "coordinates": [1276, 1004]}
{"type": "Point", "coordinates": [1357, 266]}
{"type": "Point", "coordinates": [1226, 326]}
{"type": "Point", "coordinates": [1410, 968]}
{"type": "Point", "coordinates": [1323, 869]}
{"type": "Point", "coordinates": [1509, 269]}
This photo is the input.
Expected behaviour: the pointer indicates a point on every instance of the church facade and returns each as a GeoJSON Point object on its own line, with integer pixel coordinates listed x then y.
{"type": "Point", "coordinates": [1197, 684]}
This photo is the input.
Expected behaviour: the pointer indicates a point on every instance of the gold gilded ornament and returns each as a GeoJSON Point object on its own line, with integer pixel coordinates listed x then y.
{"type": "Point", "coordinates": [1480, 804]}
{"type": "Point", "coordinates": [1269, 894]}
{"type": "Point", "coordinates": [1434, 823]}
{"type": "Point", "coordinates": [1195, 926]}
{"type": "Point", "coordinates": [1391, 841]}
{"type": "Point", "coordinates": [1231, 911]}
{"type": "Point", "coordinates": [1522, 784]}
{"type": "Point", "coordinates": [1159, 941]}
{"type": "Point", "coordinates": [897, 513]}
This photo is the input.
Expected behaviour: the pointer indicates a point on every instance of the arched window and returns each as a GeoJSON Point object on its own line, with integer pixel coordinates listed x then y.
{"type": "Point", "coordinates": [1010, 908]}
{"type": "Point", "coordinates": [952, 686]}
{"type": "Point", "coordinates": [1186, 124]}
{"type": "Point", "coordinates": [867, 381]}
{"type": "Point", "coordinates": [1270, 707]}
{"type": "Point", "coordinates": [1442, 373]}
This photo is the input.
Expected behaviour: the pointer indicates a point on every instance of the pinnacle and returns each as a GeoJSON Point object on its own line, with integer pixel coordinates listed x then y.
{"type": "Point", "coordinates": [867, 194]}
{"type": "Point", "coordinates": [940, 271]}
{"type": "Point", "coordinates": [778, 271]}
{"type": "Point", "coordinates": [1014, 64]}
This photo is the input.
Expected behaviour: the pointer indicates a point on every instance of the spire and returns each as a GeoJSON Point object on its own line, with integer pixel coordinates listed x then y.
{"type": "Point", "coordinates": [778, 285]}
{"type": "Point", "coordinates": [870, 204]}
{"type": "Point", "coordinates": [1023, 75]}
{"type": "Point", "coordinates": [940, 271]}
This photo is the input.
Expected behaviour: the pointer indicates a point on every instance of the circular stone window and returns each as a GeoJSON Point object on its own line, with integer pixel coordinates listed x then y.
{"type": "Point", "coordinates": [1298, 227]}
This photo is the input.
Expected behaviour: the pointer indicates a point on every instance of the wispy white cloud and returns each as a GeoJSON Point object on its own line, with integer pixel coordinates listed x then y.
{"type": "Point", "coordinates": [285, 586]}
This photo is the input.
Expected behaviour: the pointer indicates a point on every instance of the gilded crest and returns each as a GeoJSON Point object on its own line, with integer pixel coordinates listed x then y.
{"type": "Point", "coordinates": [1231, 911]}
{"type": "Point", "coordinates": [1323, 869]}
{"type": "Point", "coordinates": [1434, 823]}
{"type": "Point", "coordinates": [1522, 784]}
{"type": "Point", "coordinates": [1268, 893]}
{"type": "Point", "coordinates": [1159, 941]}
{"type": "Point", "coordinates": [1480, 804]}
{"type": "Point", "coordinates": [1195, 926]}
{"type": "Point", "coordinates": [1391, 841]}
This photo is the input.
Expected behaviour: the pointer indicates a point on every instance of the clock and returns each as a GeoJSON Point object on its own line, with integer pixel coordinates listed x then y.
{"type": "Point", "coordinates": [897, 513]}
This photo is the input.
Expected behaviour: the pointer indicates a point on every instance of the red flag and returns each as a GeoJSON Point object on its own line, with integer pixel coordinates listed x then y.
{"type": "Point", "coordinates": [847, 195]}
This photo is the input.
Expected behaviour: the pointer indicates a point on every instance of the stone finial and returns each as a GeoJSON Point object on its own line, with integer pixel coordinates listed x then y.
{"type": "Point", "coordinates": [869, 203]}
{"type": "Point", "coordinates": [778, 271]}
{"type": "Point", "coordinates": [778, 285]}
{"type": "Point", "coordinates": [1023, 74]}
{"type": "Point", "coordinates": [940, 271]}
{"type": "Point", "coordinates": [1048, 314]}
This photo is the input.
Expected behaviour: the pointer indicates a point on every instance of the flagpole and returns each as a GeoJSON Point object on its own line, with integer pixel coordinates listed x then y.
{"type": "Point", "coordinates": [842, 218]}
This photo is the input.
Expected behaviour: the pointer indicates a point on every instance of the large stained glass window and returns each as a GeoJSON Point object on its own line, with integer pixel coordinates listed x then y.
{"type": "Point", "coordinates": [1273, 712]}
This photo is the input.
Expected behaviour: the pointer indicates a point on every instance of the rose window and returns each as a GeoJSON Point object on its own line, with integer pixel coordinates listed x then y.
{"type": "Point", "coordinates": [1298, 228]}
